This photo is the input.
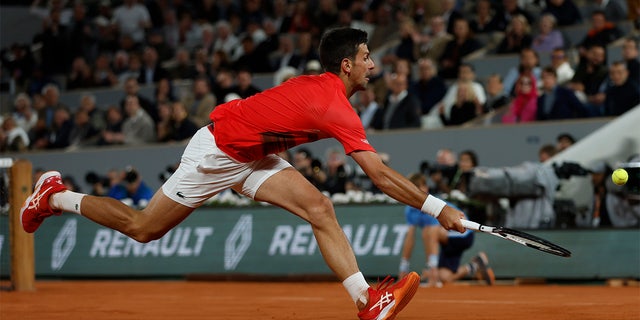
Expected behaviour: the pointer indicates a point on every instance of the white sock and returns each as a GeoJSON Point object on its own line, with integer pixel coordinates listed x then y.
{"type": "Point", "coordinates": [357, 287]}
{"type": "Point", "coordinates": [68, 201]}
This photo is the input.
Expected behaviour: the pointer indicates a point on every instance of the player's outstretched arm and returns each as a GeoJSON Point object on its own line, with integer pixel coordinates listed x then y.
{"type": "Point", "coordinates": [400, 188]}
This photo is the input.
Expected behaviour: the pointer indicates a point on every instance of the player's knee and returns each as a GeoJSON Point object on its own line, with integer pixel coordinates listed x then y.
{"type": "Point", "coordinates": [144, 233]}
{"type": "Point", "coordinates": [321, 212]}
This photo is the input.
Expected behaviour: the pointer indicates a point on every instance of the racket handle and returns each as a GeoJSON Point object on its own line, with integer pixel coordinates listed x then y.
{"type": "Point", "coordinates": [470, 224]}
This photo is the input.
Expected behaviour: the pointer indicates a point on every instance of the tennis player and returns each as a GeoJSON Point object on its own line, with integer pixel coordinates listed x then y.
{"type": "Point", "coordinates": [238, 150]}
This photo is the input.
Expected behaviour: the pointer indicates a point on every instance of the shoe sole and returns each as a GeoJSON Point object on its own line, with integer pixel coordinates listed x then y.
{"type": "Point", "coordinates": [36, 190]}
{"type": "Point", "coordinates": [411, 286]}
{"type": "Point", "coordinates": [485, 270]}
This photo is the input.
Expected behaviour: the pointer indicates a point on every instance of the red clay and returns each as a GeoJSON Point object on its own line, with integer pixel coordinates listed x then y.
{"type": "Point", "coordinates": [95, 300]}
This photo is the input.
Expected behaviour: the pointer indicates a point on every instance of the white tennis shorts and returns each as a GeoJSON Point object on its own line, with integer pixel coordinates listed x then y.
{"type": "Point", "coordinates": [205, 170]}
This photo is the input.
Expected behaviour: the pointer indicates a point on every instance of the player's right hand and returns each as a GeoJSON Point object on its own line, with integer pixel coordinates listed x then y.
{"type": "Point", "coordinates": [450, 217]}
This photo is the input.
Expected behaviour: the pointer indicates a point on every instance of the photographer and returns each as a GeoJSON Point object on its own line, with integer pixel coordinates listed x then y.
{"type": "Point", "coordinates": [132, 190]}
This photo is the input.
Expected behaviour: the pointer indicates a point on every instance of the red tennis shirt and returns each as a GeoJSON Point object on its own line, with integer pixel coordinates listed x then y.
{"type": "Point", "coordinates": [301, 110]}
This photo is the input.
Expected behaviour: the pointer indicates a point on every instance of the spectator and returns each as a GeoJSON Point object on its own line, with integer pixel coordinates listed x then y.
{"type": "Point", "coordinates": [133, 19]}
{"type": "Point", "coordinates": [43, 13]}
{"type": "Point", "coordinates": [589, 77]}
{"type": "Point", "coordinates": [244, 86]}
{"type": "Point", "coordinates": [189, 33]}
{"type": "Point", "coordinates": [60, 134]}
{"type": "Point", "coordinates": [132, 190]}
{"type": "Point", "coordinates": [548, 37]}
{"type": "Point", "coordinates": [200, 102]}
{"type": "Point", "coordinates": [461, 45]}
{"type": "Point", "coordinates": [366, 106]}
{"type": "Point", "coordinates": [622, 93]}
{"type": "Point", "coordinates": [223, 84]}
{"type": "Point", "coordinates": [304, 51]}
{"type": "Point", "coordinates": [54, 38]}
{"type": "Point", "coordinates": [557, 102]}
{"type": "Point", "coordinates": [163, 91]}
{"type": "Point", "coordinates": [483, 21]}
{"type": "Point", "coordinates": [408, 48]}
{"type": "Point", "coordinates": [510, 8]}
{"type": "Point", "coordinates": [285, 54]}
{"type": "Point", "coordinates": [171, 28]}
{"type": "Point", "coordinates": [299, 20]}
{"type": "Point", "coordinates": [183, 127]}
{"type": "Point", "coordinates": [467, 162]}
{"type": "Point", "coordinates": [527, 66]}
{"type": "Point", "coordinates": [151, 70]}
{"type": "Point", "coordinates": [181, 66]}
{"type": "Point", "coordinates": [612, 9]}
{"type": "Point", "coordinates": [83, 132]}
{"type": "Point", "coordinates": [496, 98]}
{"type": "Point", "coordinates": [51, 95]}
{"type": "Point", "coordinates": [132, 89]}
{"type": "Point", "coordinates": [565, 11]}
{"type": "Point", "coordinates": [81, 75]}
{"type": "Point", "coordinates": [106, 35]}
{"type": "Point", "coordinates": [95, 114]}
{"type": "Point", "coordinates": [523, 108]}
{"type": "Point", "coordinates": [601, 33]}
{"type": "Point", "coordinates": [164, 126]}
{"type": "Point", "coordinates": [309, 167]}
{"type": "Point", "coordinates": [113, 126]}
{"type": "Point", "coordinates": [133, 70]}
{"type": "Point", "coordinates": [466, 106]}
{"type": "Point", "coordinates": [442, 172]}
{"type": "Point", "coordinates": [517, 36]}
{"type": "Point", "coordinates": [137, 127]}
{"type": "Point", "coordinates": [560, 63]}
{"type": "Point", "coordinates": [225, 40]}
{"type": "Point", "coordinates": [432, 43]}
{"type": "Point", "coordinates": [120, 63]}
{"type": "Point", "coordinates": [82, 33]}
{"type": "Point", "coordinates": [19, 62]}
{"type": "Point", "coordinates": [631, 57]}
{"type": "Point", "coordinates": [156, 40]}
{"type": "Point", "coordinates": [103, 75]}
{"type": "Point", "coordinates": [251, 58]}
{"type": "Point", "coordinates": [450, 14]}
{"type": "Point", "coordinates": [466, 74]}
{"type": "Point", "coordinates": [429, 88]}
{"type": "Point", "coordinates": [24, 115]}
{"type": "Point", "coordinates": [401, 109]}
{"type": "Point", "coordinates": [313, 67]}
{"type": "Point", "coordinates": [13, 138]}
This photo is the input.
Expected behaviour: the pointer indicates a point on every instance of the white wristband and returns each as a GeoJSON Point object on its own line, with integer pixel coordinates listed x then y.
{"type": "Point", "coordinates": [433, 206]}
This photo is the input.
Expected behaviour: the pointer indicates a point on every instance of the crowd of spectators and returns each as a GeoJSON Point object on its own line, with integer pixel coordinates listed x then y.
{"type": "Point", "coordinates": [219, 45]}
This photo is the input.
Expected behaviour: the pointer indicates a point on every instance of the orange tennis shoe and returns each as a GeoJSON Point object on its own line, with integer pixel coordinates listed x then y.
{"type": "Point", "coordinates": [387, 300]}
{"type": "Point", "coordinates": [36, 208]}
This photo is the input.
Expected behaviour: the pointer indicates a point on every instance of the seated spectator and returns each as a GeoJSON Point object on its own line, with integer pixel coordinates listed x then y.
{"type": "Point", "coordinates": [60, 134]}
{"type": "Point", "coordinates": [557, 102]}
{"type": "Point", "coordinates": [81, 75]}
{"type": "Point", "coordinates": [223, 85]}
{"type": "Point", "coordinates": [517, 36]}
{"type": "Point", "coordinates": [151, 70]}
{"type": "Point", "coordinates": [313, 67]}
{"type": "Point", "coordinates": [401, 108]}
{"type": "Point", "coordinates": [509, 9]}
{"type": "Point", "coordinates": [366, 106]}
{"type": "Point", "coordinates": [565, 11]}
{"type": "Point", "coordinates": [113, 126]}
{"type": "Point", "coordinates": [496, 98]}
{"type": "Point", "coordinates": [560, 63]}
{"type": "Point", "coordinates": [137, 127]}
{"type": "Point", "coordinates": [407, 48]}
{"type": "Point", "coordinates": [225, 39]}
{"type": "Point", "coordinates": [613, 9]}
{"type": "Point", "coordinates": [132, 89]}
{"type": "Point", "coordinates": [631, 57]}
{"type": "Point", "coordinates": [283, 74]}
{"type": "Point", "coordinates": [528, 65]}
{"type": "Point", "coordinates": [103, 75]}
{"type": "Point", "coordinates": [310, 167]}
{"type": "Point", "coordinates": [588, 79]}
{"type": "Point", "coordinates": [483, 21]}
{"type": "Point", "coordinates": [466, 74]}
{"type": "Point", "coordinates": [23, 114]}
{"type": "Point", "coordinates": [429, 88]}
{"type": "Point", "coordinates": [548, 37]}
{"type": "Point", "coordinates": [133, 69]}
{"type": "Point", "coordinates": [83, 132]}
{"type": "Point", "coordinates": [601, 33]}
{"type": "Point", "coordinates": [523, 108]}
{"type": "Point", "coordinates": [163, 92]}
{"type": "Point", "coordinates": [456, 49]}
{"type": "Point", "coordinates": [181, 67]}
{"type": "Point", "coordinates": [244, 86]}
{"type": "Point", "coordinates": [13, 138]}
{"type": "Point", "coordinates": [183, 127]}
{"type": "Point", "coordinates": [251, 58]}
{"type": "Point", "coordinates": [622, 93]}
{"type": "Point", "coordinates": [433, 42]}
{"type": "Point", "coordinates": [200, 102]}
{"type": "Point", "coordinates": [466, 106]}
{"type": "Point", "coordinates": [164, 126]}
{"type": "Point", "coordinates": [132, 18]}
{"type": "Point", "coordinates": [338, 172]}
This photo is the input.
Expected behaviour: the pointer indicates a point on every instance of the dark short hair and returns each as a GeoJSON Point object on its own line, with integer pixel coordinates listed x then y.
{"type": "Point", "coordinates": [337, 44]}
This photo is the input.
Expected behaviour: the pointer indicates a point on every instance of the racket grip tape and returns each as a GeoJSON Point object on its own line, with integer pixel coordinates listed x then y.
{"type": "Point", "coordinates": [470, 225]}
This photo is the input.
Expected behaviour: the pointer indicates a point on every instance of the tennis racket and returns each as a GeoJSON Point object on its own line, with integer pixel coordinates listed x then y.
{"type": "Point", "coordinates": [520, 237]}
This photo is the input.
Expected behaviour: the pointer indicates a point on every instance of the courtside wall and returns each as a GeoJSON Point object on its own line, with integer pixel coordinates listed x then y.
{"type": "Point", "coordinates": [264, 240]}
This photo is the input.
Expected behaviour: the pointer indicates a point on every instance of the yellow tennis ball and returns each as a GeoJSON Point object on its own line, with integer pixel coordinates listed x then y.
{"type": "Point", "coordinates": [620, 176]}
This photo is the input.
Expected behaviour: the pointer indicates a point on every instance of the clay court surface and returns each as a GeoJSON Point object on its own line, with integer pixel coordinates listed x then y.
{"type": "Point", "coordinates": [108, 299]}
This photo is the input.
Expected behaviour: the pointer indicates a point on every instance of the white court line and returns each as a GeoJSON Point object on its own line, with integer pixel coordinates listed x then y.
{"type": "Point", "coordinates": [506, 302]}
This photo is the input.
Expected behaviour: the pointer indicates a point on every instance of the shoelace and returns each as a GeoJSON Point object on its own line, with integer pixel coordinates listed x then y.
{"type": "Point", "coordinates": [385, 283]}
